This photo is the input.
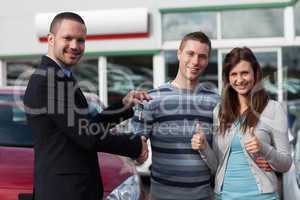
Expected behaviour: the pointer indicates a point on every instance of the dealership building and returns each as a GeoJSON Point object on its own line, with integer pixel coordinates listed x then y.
{"type": "Point", "coordinates": [132, 44]}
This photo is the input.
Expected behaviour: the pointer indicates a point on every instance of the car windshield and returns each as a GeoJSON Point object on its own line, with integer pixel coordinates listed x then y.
{"type": "Point", "coordinates": [13, 127]}
{"type": "Point", "coordinates": [14, 130]}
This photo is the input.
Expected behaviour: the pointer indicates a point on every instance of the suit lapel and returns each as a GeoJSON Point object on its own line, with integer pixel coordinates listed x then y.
{"type": "Point", "coordinates": [79, 97]}
{"type": "Point", "coordinates": [78, 93]}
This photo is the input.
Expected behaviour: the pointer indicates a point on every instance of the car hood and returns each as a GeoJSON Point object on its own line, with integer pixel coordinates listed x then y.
{"type": "Point", "coordinates": [16, 168]}
{"type": "Point", "coordinates": [114, 170]}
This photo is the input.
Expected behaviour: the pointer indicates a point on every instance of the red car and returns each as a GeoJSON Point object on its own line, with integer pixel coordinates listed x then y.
{"type": "Point", "coordinates": [119, 175]}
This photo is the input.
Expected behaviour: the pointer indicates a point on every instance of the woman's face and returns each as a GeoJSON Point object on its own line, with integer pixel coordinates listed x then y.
{"type": "Point", "coordinates": [241, 78]}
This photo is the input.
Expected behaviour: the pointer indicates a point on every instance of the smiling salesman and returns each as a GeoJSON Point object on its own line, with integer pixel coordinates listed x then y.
{"type": "Point", "coordinates": [66, 163]}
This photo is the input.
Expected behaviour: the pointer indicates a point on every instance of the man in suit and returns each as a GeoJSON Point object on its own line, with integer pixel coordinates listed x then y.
{"type": "Point", "coordinates": [66, 138]}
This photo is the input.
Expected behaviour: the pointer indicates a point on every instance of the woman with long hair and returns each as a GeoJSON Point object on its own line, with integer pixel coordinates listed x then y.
{"type": "Point", "coordinates": [247, 125]}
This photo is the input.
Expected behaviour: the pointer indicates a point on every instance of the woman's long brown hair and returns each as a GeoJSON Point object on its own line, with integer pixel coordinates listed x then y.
{"type": "Point", "coordinates": [230, 107]}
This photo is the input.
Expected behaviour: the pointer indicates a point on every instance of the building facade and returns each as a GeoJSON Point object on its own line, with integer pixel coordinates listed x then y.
{"type": "Point", "coordinates": [132, 44]}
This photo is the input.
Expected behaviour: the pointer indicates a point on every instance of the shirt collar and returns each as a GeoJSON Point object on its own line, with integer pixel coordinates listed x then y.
{"type": "Point", "coordinates": [66, 70]}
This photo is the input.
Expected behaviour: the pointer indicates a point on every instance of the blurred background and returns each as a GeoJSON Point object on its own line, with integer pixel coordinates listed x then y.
{"type": "Point", "coordinates": [132, 45]}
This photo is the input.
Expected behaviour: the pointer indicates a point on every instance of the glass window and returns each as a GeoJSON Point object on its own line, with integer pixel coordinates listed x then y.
{"type": "Point", "coordinates": [297, 18]}
{"type": "Point", "coordinates": [252, 23]}
{"type": "Point", "coordinates": [86, 73]}
{"type": "Point", "coordinates": [176, 25]}
{"type": "Point", "coordinates": [125, 73]}
{"type": "Point", "coordinates": [14, 130]}
{"type": "Point", "coordinates": [12, 120]}
{"type": "Point", "coordinates": [268, 63]}
{"type": "Point", "coordinates": [209, 75]}
{"type": "Point", "coordinates": [291, 80]}
{"type": "Point", "coordinates": [19, 71]}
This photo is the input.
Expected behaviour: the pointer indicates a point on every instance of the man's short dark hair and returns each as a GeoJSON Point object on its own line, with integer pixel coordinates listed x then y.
{"type": "Point", "coordinates": [197, 36]}
{"type": "Point", "coordinates": [62, 16]}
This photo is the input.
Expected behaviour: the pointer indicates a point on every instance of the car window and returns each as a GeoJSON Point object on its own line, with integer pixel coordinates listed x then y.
{"type": "Point", "coordinates": [14, 130]}
{"type": "Point", "coordinates": [13, 127]}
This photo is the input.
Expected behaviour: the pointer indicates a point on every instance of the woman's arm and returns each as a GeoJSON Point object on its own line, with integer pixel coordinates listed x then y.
{"type": "Point", "coordinates": [277, 154]}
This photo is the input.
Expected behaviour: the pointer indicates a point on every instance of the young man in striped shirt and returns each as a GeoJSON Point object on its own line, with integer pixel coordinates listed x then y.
{"type": "Point", "coordinates": [169, 120]}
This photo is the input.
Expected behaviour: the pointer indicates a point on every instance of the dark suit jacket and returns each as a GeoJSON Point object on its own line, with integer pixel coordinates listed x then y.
{"type": "Point", "coordinates": [66, 163]}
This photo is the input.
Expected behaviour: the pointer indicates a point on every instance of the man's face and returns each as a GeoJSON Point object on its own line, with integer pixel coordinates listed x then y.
{"type": "Point", "coordinates": [193, 59]}
{"type": "Point", "coordinates": [67, 43]}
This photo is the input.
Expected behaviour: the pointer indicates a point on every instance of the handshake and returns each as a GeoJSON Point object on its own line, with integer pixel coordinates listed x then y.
{"type": "Point", "coordinates": [131, 99]}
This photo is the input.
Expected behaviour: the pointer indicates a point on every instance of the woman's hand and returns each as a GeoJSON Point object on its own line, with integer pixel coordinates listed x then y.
{"type": "Point", "coordinates": [253, 145]}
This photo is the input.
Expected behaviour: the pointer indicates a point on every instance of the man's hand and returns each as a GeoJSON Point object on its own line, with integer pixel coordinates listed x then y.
{"type": "Point", "coordinates": [135, 97]}
{"type": "Point", "coordinates": [144, 154]}
{"type": "Point", "coordinates": [253, 145]}
{"type": "Point", "coordinates": [263, 164]}
{"type": "Point", "coordinates": [199, 141]}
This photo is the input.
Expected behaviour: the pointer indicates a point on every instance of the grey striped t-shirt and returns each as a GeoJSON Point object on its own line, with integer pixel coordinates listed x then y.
{"type": "Point", "coordinates": [169, 120]}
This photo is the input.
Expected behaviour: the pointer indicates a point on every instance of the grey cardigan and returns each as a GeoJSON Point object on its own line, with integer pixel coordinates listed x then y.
{"type": "Point", "coordinates": [272, 131]}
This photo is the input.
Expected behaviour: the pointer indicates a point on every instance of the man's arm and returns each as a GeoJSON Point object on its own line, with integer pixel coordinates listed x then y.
{"type": "Point", "coordinates": [263, 164]}
{"type": "Point", "coordinates": [77, 127]}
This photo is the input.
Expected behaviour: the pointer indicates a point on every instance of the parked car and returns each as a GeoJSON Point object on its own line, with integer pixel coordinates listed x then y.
{"type": "Point", "coordinates": [119, 175]}
{"type": "Point", "coordinates": [291, 179]}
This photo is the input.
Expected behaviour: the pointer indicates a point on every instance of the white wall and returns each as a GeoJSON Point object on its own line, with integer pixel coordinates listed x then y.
{"type": "Point", "coordinates": [17, 35]}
